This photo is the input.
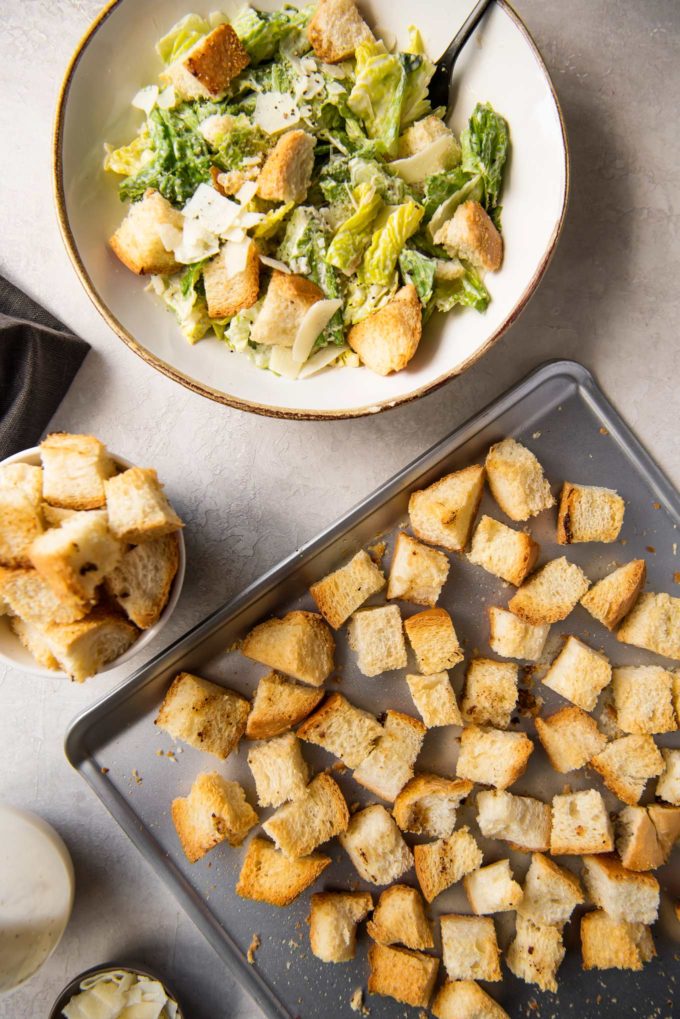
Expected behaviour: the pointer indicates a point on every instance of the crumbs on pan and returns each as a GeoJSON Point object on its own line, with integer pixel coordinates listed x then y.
{"type": "Point", "coordinates": [356, 1002]}
{"type": "Point", "coordinates": [536, 435]}
{"type": "Point", "coordinates": [137, 777]}
{"type": "Point", "coordinates": [255, 943]}
{"type": "Point", "coordinates": [377, 552]}
{"type": "Point", "coordinates": [604, 431]}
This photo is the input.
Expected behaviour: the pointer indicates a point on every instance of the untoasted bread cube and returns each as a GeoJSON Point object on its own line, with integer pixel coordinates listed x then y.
{"type": "Point", "coordinates": [551, 893]}
{"type": "Point", "coordinates": [279, 704]}
{"type": "Point", "coordinates": [230, 287]}
{"type": "Point", "coordinates": [279, 769]}
{"type": "Point", "coordinates": [142, 580]}
{"type": "Point", "coordinates": [138, 245]}
{"type": "Point", "coordinates": [442, 863]}
{"type": "Point", "coordinates": [490, 692]}
{"type": "Point", "coordinates": [214, 811]}
{"type": "Point", "coordinates": [137, 506]}
{"type": "Point", "coordinates": [434, 640]}
{"type": "Point", "coordinates": [493, 757]}
{"type": "Point", "coordinates": [579, 674]}
{"type": "Point", "coordinates": [435, 700]}
{"type": "Point", "coordinates": [343, 730]}
{"type": "Point", "coordinates": [512, 637]}
{"type": "Point", "coordinates": [666, 820]}
{"type": "Point", "coordinates": [612, 598]}
{"type": "Point", "coordinates": [580, 824]}
{"type": "Point", "coordinates": [503, 551]}
{"type": "Point", "coordinates": [375, 846]}
{"type": "Point", "coordinates": [637, 840]}
{"type": "Point", "coordinates": [588, 513]}
{"type": "Point", "coordinates": [26, 478]}
{"type": "Point", "coordinates": [288, 299]}
{"type": "Point", "coordinates": [626, 764]}
{"type": "Point", "coordinates": [517, 481]}
{"type": "Point", "coordinates": [643, 698]}
{"type": "Point", "coordinates": [27, 595]}
{"type": "Point", "coordinates": [464, 999]}
{"type": "Point", "coordinates": [536, 954]}
{"type": "Point", "coordinates": [287, 171]}
{"type": "Point", "coordinates": [653, 624]}
{"type": "Point", "coordinates": [82, 648]}
{"type": "Point", "coordinates": [389, 766]}
{"type": "Point", "coordinates": [333, 920]}
{"type": "Point", "coordinates": [75, 469]}
{"type": "Point", "coordinates": [551, 593]}
{"type": "Point", "coordinates": [614, 944]}
{"type": "Point", "coordinates": [269, 876]}
{"type": "Point", "coordinates": [35, 642]}
{"type": "Point", "coordinates": [443, 513]}
{"type": "Point", "coordinates": [377, 637]}
{"type": "Point", "coordinates": [341, 593]}
{"type": "Point", "coordinates": [570, 738]}
{"type": "Point", "coordinates": [427, 805]}
{"type": "Point", "coordinates": [387, 339]}
{"type": "Point", "coordinates": [75, 557]}
{"type": "Point", "coordinates": [470, 234]}
{"type": "Point", "coordinates": [399, 918]}
{"type": "Point", "coordinates": [401, 974]}
{"type": "Point", "coordinates": [418, 572]}
{"type": "Point", "coordinates": [623, 894]}
{"type": "Point", "coordinates": [300, 645]}
{"type": "Point", "coordinates": [20, 525]}
{"type": "Point", "coordinates": [522, 821]}
{"type": "Point", "coordinates": [492, 889]}
{"type": "Point", "coordinates": [668, 786]}
{"type": "Point", "coordinates": [206, 71]}
{"type": "Point", "coordinates": [469, 948]}
{"type": "Point", "coordinates": [318, 813]}
{"type": "Point", "coordinates": [336, 30]}
{"type": "Point", "coordinates": [203, 714]}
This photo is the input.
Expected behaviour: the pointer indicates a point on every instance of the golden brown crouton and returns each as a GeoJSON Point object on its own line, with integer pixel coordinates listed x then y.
{"type": "Point", "coordinates": [587, 513]}
{"type": "Point", "coordinates": [203, 714]}
{"type": "Point", "coordinates": [300, 645]}
{"type": "Point", "coordinates": [388, 339]}
{"type": "Point", "coordinates": [136, 241]}
{"type": "Point", "coordinates": [287, 171]}
{"type": "Point", "coordinates": [443, 513]}
{"type": "Point", "coordinates": [142, 580]}
{"type": "Point", "coordinates": [434, 640]}
{"type": "Point", "coordinates": [612, 598]}
{"type": "Point", "coordinates": [435, 699]}
{"type": "Point", "coordinates": [75, 557]}
{"type": "Point", "coordinates": [418, 572]}
{"type": "Point", "coordinates": [464, 999]}
{"type": "Point", "coordinates": [20, 525]}
{"type": "Point", "coordinates": [399, 918]}
{"type": "Point", "coordinates": [614, 944]}
{"type": "Point", "coordinates": [230, 287]}
{"type": "Point", "coordinates": [503, 551]}
{"type": "Point", "coordinates": [401, 974]}
{"type": "Point", "coordinates": [216, 59]}
{"type": "Point", "coordinates": [29, 596]}
{"type": "Point", "coordinates": [637, 841]}
{"type": "Point", "coordinates": [269, 876]}
{"type": "Point", "coordinates": [626, 765]}
{"type": "Point", "coordinates": [442, 863]}
{"type": "Point", "coordinates": [279, 769]}
{"type": "Point", "coordinates": [427, 805]}
{"type": "Point", "coordinates": [214, 811]}
{"type": "Point", "coordinates": [517, 481]}
{"type": "Point", "coordinates": [137, 506]}
{"type": "Point", "coordinates": [490, 692]}
{"type": "Point", "coordinates": [536, 953]}
{"type": "Point", "coordinates": [470, 234]}
{"type": "Point", "coordinates": [377, 637]}
{"type": "Point", "coordinates": [279, 704]}
{"type": "Point", "coordinates": [492, 756]}
{"type": "Point", "coordinates": [343, 730]}
{"type": "Point", "coordinates": [333, 921]}
{"type": "Point", "coordinates": [336, 30]}
{"type": "Point", "coordinates": [375, 846]}
{"type": "Point", "coordinates": [580, 824]}
{"type": "Point", "coordinates": [342, 592]}
{"type": "Point", "coordinates": [35, 642]}
{"type": "Point", "coordinates": [82, 648]}
{"type": "Point", "coordinates": [315, 816]}
{"type": "Point", "coordinates": [550, 594]}
{"type": "Point", "coordinates": [286, 302]}
{"type": "Point", "coordinates": [570, 738]}
{"type": "Point", "coordinates": [470, 947]}
{"type": "Point", "coordinates": [25, 477]}
{"type": "Point", "coordinates": [653, 624]}
{"type": "Point", "coordinates": [389, 766]}
{"type": "Point", "coordinates": [75, 468]}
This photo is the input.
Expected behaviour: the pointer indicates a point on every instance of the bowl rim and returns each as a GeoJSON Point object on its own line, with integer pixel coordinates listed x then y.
{"type": "Point", "coordinates": [146, 636]}
{"type": "Point", "coordinates": [130, 967]}
{"type": "Point", "coordinates": [238, 403]}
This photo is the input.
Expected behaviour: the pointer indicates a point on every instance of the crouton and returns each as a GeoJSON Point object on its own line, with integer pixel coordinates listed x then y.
{"type": "Point", "coordinates": [643, 698]}
{"type": "Point", "coordinates": [666, 820]}
{"type": "Point", "coordinates": [607, 722]}
{"type": "Point", "coordinates": [375, 846]}
{"type": "Point", "coordinates": [333, 921]}
{"type": "Point", "coordinates": [551, 893]}
{"type": "Point", "coordinates": [612, 598]}
{"type": "Point", "coordinates": [637, 841]}
{"type": "Point", "coordinates": [418, 572]}
{"type": "Point", "coordinates": [27, 595]}
{"type": "Point", "coordinates": [287, 170]}
{"type": "Point", "coordinates": [420, 135]}
{"type": "Point", "coordinates": [580, 824]}
{"type": "Point", "coordinates": [512, 637]}
{"type": "Point", "coordinates": [490, 692]}
{"type": "Point", "coordinates": [623, 894]}
{"type": "Point", "coordinates": [142, 580]}
{"type": "Point", "coordinates": [614, 944]}
{"type": "Point", "coordinates": [344, 591]}
{"type": "Point", "coordinates": [469, 948]}
{"type": "Point", "coordinates": [522, 821]}
{"type": "Point", "coordinates": [214, 811]}
{"type": "Point", "coordinates": [75, 557]}
{"type": "Point", "coordinates": [588, 513]}
{"type": "Point", "coordinates": [20, 525]}
{"type": "Point", "coordinates": [287, 301]}
{"type": "Point", "coordinates": [210, 65]}
{"type": "Point", "coordinates": [336, 29]}
{"type": "Point", "coordinates": [269, 876]}
{"type": "Point", "coordinates": [387, 339]}
{"type": "Point", "coordinates": [279, 704]}
{"type": "Point", "coordinates": [300, 645]}
{"type": "Point", "coordinates": [579, 674]}
{"type": "Point", "coordinates": [399, 918]}
{"type": "Point", "coordinates": [442, 863]}
{"type": "Point", "coordinates": [493, 757]}
{"type": "Point", "coordinates": [433, 638]}
{"type": "Point", "coordinates": [550, 594]}
{"type": "Point", "coordinates": [204, 715]}
{"type": "Point", "coordinates": [35, 642]}
{"type": "Point", "coordinates": [570, 738]}
{"type": "Point", "coordinates": [536, 953]}
{"type": "Point", "coordinates": [279, 769]}
{"type": "Point", "coordinates": [427, 805]}
{"type": "Point", "coordinates": [343, 730]}
{"type": "Point", "coordinates": [399, 973]}
{"type": "Point", "coordinates": [137, 506]}
{"type": "Point", "coordinates": [444, 513]}
{"type": "Point", "coordinates": [517, 481]}
{"type": "Point", "coordinates": [54, 516]}
{"type": "Point", "coordinates": [389, 766]}
{"type": "Point", "coordinates": [318, 814]}
{"type": "Point", "coordinates": [137, 242]}
{"type": "Point", "coordinates": [377, 637]}
{"type": "Point", "coordinates": [26, 478]}
{"type": "Point", "coordinates": [668, 786]}
{"type": "Point", "coordinates": [653, 624]}
{"type": "Point", "coordinates": [492, 889]}
{"type": "Point", "coordinates": [75, 468]}
{"type": "Point", "coordinates": [232, 279]}
{"type": "Point", "coordinates": [626, 764]}
{"type": "Point", "coordinates": [503, 551]}
{"type": "Point", "coordinates": [470, 234]}
{"type": "Point", "coordinates": [464, 999]}
{"type": "Point", "coordinates": [435, 700]}
{"type": "Point", "coordinates": [82, 648]}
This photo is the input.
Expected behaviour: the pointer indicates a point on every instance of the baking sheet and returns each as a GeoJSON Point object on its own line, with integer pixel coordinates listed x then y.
{"type": "Point", "coordinates": [559, 412]}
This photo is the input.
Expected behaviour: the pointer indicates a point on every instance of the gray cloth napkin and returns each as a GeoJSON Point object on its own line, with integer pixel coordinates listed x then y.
{"type": "Point", "coordinates": [39, 358]}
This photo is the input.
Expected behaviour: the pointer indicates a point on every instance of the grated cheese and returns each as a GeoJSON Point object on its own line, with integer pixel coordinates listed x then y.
{"type": "Point", "coordinates": [313, 323]}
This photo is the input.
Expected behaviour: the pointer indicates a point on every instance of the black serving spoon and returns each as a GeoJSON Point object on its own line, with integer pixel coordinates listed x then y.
{"type": "Point", "coordinates": [440, 84]}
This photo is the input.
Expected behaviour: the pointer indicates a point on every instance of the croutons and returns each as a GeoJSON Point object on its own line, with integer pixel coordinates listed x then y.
{"type": "Point", "coordinates": [666, 820]}
{"type": "Point", "coordinates": [269, 876]}
{"type": "Point", "coordinates": [82, 648]}
{"type": "Point", "coordinates": [27, 595]}
{"type": "Point", "coordinates": [492, 889]}
{"type": "Point", "coordinates": [443, 513]}
{"type": "Point", "coordinates": [551, 893]}
{"type": "Point", "coordinates": [470, 234]}
{"type": "Point", "coordinates": [512, 637]}
{"type": "Point", "coordinates": [279, 704]}
{"type": "Point", "coordinates": [287, 170]}
{"type": "Point", "coordinates": [668, 786]}
{"type": "Point", "coordinates": [20, 525]}
{"type": "Point", "coordinates": [493, 757]}
{"type": "Point", "coordinates": [333, 921]}
{"type": "Point", "coordinates": [203, 714]}
{"type": "Point", "coordinates": [587, 513]}
{"type": "Point", "coordinates": [75, 557]}
{"type": "Point", "coordinates": [653, 624]}
{"type": "Point", "coordinates": [614, 944]}
{"type": "Point", "coordinates": [279, 769]}
{"type": "Point", "coordinates": [637, 841]}
{"type": "Point", "coordinates": [137, 242]}
{"type": "Point", "coordinates": [75, 468]}
{"type": "Point", "coordinates": [24, 477]}
{"type": "Point", "coordinates": [435, 700]}
{"type": "Point", "coordinates": [314, 817]}
{"type": "Point", "coordinates": [142, 580]}
{"type": "Point", "coordinates": [643, 699]}
{"type": "Point", "coordinates": [433, 638]}
{"type": "Point", "coordinates": [626, 764]}
{"type": "Point", "coordinates": [621, 894]}
{"type": "Point", "coordinates": [389, 766]}
{"type": "Point", "coordinates": [570, 738]}
{"type": "Point", "coordinates": [205, 72]}
{"type": "Point", "coordinates": [399, 918]}
{"type": "Point", "coordinates": [522, 821]}
{"type": "Point", "coordinates": [288, 299]}
{"type": "Point", "coordinates": [375, 846]}
{"type": "Point", "coordinates": [579, 674]}
{"type": "Point", "coordinates": [580, 824]}
{"type": "Point", "coordinates": [388, 338]}
{"type": "Point", "coordinates": [442, 863]}
{"type": "Point", "coordinates": [427, 805]}
{"type": "Point", "coordinates": [503, 551]}
{"type": "Point", "coordinates": [341, 593]}
{"type": "Point", "coordinates": [137, 506]}
{"type": "Point", "coordinates": [418, 573]}
{"type": "Point", "coordinates": [377, 637]}
{"type": "Point", "coordinates": [336, 29]}
{"type": "Point", "coordinates": [550, 594]}
{"type": "Point", "coordinates": [536, 953]}
{"type": "Point", "coordinates": [613, 597]}
{"type": "Point", "coordinates": [300, 645]}
{"type": "Point", "coordinates": [421, 134]}
{"type": "Point", "coordinates": [232, 279]}
{"type": "Point", "coordinates": [401, 974]}
{"type": "Point", "coordinates": [214, 811]}
{"type": "Point", "coordinates": [469, 948]}
{"type": "Point", "coordinates": [517, 481]}
{"type": "Point", "coordinates": [35, 642]}
{"type": "Point", "coordinates": [464, 999]}
{"type": "Point", "coordinates": [343, 730]}
{"type": "Point", "coordinates": [490, 693]}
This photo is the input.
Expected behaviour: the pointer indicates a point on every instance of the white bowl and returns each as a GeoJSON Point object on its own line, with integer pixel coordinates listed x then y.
{"type": "Point", "coordinates": [500, 64]}
{"type": "Point", "coordinates": [12, 651]}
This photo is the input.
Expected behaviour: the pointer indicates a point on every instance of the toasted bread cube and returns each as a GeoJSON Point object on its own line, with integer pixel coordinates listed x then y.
{"type": "Point", "coordinates": [35, 642]}
{"type": "Point", "coordinates": [399, 973]}
{"type": "Point", "coordinates": [26, 478]}
{"type": "Point", "coordinates": [614, 944]}
{"type": "Point", "coordinates": [579, 674]}
{"type": "Point", "coordinates": [269, 876]}
{"type": "Point", "coordinates": [444, 513]}
{"type": "Point", "coordinates": [469, 948]}
{"type": "Point", "coordinates": [54, 516]}
{"type": "Point", "coordinates": [668, 786]}
{"type": "Point", "coordinates": [588, 513]}
{"type": "Point", "coordinates": [522, 821]}
{"type": "Point", "coordinates": [27, 595]}
{"type": "Point", "coordinates": [210, 65]}
{"type": "Point", "coordinates": [470, 234]}
{"type": "Point", "coordinates": [612, 598]}
{"type": "Point", "coordinates": [399, 918]}
{"type": "Point", "coordinates": [492, 889]}
{"type": "Point", "coordinates": [389, 766]}
{"type": "Point", "coordinates": [345, 590]}
{"type": "Point", "coordinates": [550, 594]}
{"type": "Point", "coordinates": [333, 921]}
{"type": "Point", "coordinates": [343, 730]}
{"type": "Point", "coordinates": [653, 624]}
{"type": "Point", "coordinates": [643, 698]}
{"type": "Point", "coordinates": [318, 813]}
{"type": "Point", "coordinates": [427, 805]}
{"type": "Point", "coordinates": [666, 820]}
{"type": "Point", "coordinates": [137, 241]}
{"type": "Point", "coordinates": [503, 551]}
{"type": "Point", "coordinates": [490, 692]}
{"type": "Point", "coordinates": [375, 846]}
{"type": "Point", "coordinates": [288, 299]}
{"type": "Point", "coordinates": [464, 999]}
{"type": "Point", "coordinates": [493, 757]}
{"type": "Point", "coordinates": [138, 508]}
{"type": "Point", "coordinates": [626, 764]}
{"type": "Point", "coordinates": [74, 558]}
{"type": "Point", "coordinates": [387, 339]}
{"type": "Point", "coordinates": [517, 481]}
{"type": "Point", "coordinates": [442, 863]}
{"type": "Point", "coordinates": [279, 704]}
{"type": "Point", "coordinates": [418, 572]}
{"type": "Point", "coordinates": [204, 715]}
{"type": "Point", "coordinates": [377, 637]}
{"type": "Point", "coordinates": [300, 645]}
{"type": "Point", "coordinates": [580, 824]}
{"type": "Point", "coordinates": [512, 637]}
{"type": "Point", "coordinates": [433, 638]}
{"type": "Point", "coordinates": [637, 841]}
{"type": "Point", "coordinates": [287, 171]}
{"type": "Point", "coordinates": [570, 738]}
{"type": "Point", "coordinates": [142, 580]}
{"type": "Point", "coordinates": [214, 811]}
{"type": "Point", "coordinates": [435, 700]}
{"type": "Point", "coordinates": [536, 954]}
{"type": "Point", "coordinates": [420, 135]}
{"type": "Point", "coordinates": [279, 769]}
{"type": "Point", "coordinates": [82, 648]}
{"type": "Point", "coordinates": [20, 525]}
{"type": "Point", "coordinates": [336, 29]}
{"type": "Point", "coordinates": [551, 893]}
{"type": "Point", "coordinates": [232, 279]}
{"type": "Point", "coordinates": [75, 469]}
{"type": "Point", "coordinates": [623, 894]}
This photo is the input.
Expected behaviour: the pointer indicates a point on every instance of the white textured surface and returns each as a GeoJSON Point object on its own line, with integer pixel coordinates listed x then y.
{"type": "Point", "coordinates": [253, 489]}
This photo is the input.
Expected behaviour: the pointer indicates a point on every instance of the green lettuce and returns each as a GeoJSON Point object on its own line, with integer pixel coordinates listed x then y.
{"type": "Point", "coordinates": [484, 144]}
{"type": "Point", "coordinates": [182, 37]}
{"type": "Point", "coordinates": [467, 290]}
{"type": "Point", "coordinates": [388, 240]}
{"type": "Point", "coordinates": [440, 186]}
{"type": "Point", "coordinates": [130, 159]}
{"type": "Point", "coordinates": [472, 190]}
{"type": "Point", "coordinates": [262, 32]}
{"type": "Point", "coordinates": [354, 234]}
{"type": "Point", "coordinates": [419, 270]}
{"type": "Point", "coordinates": [378, 93]}
{"type": "Point", "coordinates": [181, 157]}
{"type": "Point", "coordinates": [363, 298]}
{"type": "Point", "coordinates": [304, 248]}
{"type": "Point", "coordinates": [416, 104]}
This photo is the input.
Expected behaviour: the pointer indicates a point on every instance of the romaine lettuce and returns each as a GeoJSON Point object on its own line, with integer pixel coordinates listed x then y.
{"type": "Point", "coordinates": [472, 191]}
{"type": "Point", "coordinates": [378, 93]}
{"type": "Point", "coordinates": [182, 37]}
{"type": "Point", "coordinates": [419, 270]}
{"type": "Point", "coordinates": [484, 144]}
{"type": "Point", "coordinates": [467, 290]}
{"type": "Point", "coordinates": [419, 71]}
{"type": "Point", "coordinates": [388, 241]}
{"type": "Point", "coordinates": [354, 235]}
{"type": "Point", "coordinates": [181, 157]}
{"type": "Point", "coordinates": [130, 159]}
{"type": "Point", "coordinates": [363, 298]}
{"type": "Point", "coordinates": [261, 32]}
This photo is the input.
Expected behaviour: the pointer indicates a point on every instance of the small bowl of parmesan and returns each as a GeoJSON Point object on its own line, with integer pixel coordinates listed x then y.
{"type": "Point", "coordinates": [121, 990]}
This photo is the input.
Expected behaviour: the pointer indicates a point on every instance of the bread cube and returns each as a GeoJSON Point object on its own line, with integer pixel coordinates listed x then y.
{"type": "Point", "coordinates": [492, 889]}
{"type": "Point", "coordinates": [314, 817]}
{"type": "Point", "coordinates": [333, 921]}
{"type": "Point", "coordinates": [469, 948]}
{"type": "Point", "coordinates": [388, 339]}
{"type": "Point", "coordinates": [137, 507]}
{"type": "Point", "coordinates": [653, 624]}
{"type": "Point", "coordinates": [427, 805]}
{"type": "Point", "coordinates": [22, 477]}
{"type": "Point", "coordinates": [517, 481]}
{"type": "Point", "coordinates": [512, 637]}
{"type": "Point", "coordinates": [551, 893]}
{"type": "Point", "coordinates": [343, 730]}
{"type": "Point", "coordinates": [434, 641]}
{"type": "Point", "coordinates": [580, 824]}
{"type": "Point", "coordinates": [142, 580]}
{"type": "Point", "coordinates": [345, 590]}
{"type": "Point", "coordinates": [607, 721]}
{"type": "Point", "coordinates": [75, 469]}
{"type": "Point", "coordinates": [579, 674]}
{"type": "Point", "coordinates": [444, 512]}
{"type": "Point", "coordinates": [668, 786]}
{"type": "Point", "coordinates": [204, 715]}
{"type": "Point", "coordinates": [33, 639]}
{"type": "Point", "coordinates": [493, 757]}
{"type": "Point", "coordinates": [214, 811]}
{"type": "Point", "coordinates": [336, 29]}
{"type": "Point", "coordinates": [375, 846]}
{"type": "Point", "coordinates": [279, 769]}
{"type": "Point", "coordinates": [54, 516]}
{"type": "Point", "coordinates": [666, 820]}
{"type": "Point", "coordinates": [137, 243]}
{"type": "Point", "coordinates": [435, 700]}
{"type": "Point", "coordinates": [399, 973]}
{"type": "Point", "coordinates": [399, 918]}
{"type": "Point", "coordinates": [421, 134]}
{"type": "Point", "coordinates": [471, 234]}
{"type": "Point", "coordinates": [612, 598]}
{"type": "Point", "coordinates": [232, 283]}
{"type": "Point", "coordinates": [442, 863]}
{"type": "Point", "coordinates": [84, 647]}
{"type": "Point", "coordinates": [626, 764]}
{"type": "Point", "coordinates": [490, 693]}
{"type": "Point", "coordinates": [300, 645]}
{"type": "Point", "coordinates": [536, 954]}
{"type": "Point", "coordinates": [75, 557]}
{"type": "Point", "coordinates": [27, 595]}
{"type": "Point", "coordinates": [279, 704]}
{"type": "Point", "coordinates": [286, 302]}
{"type": "Point", "coordinates": [622, 894]}
{"type": "Point", "coordinates": [389, 766]}
{"type": "Point", "coordinates": [550, 594]}
{"type": "Point", "coordinates": [588, 513]}
{"type": "Point", "coordinates": [269, 876]}
{"type": "Point", "coordinates": [20, 525]}
{"type": "Point", "coordinates": [570, 738]}
{"type": "Point", "coordinates": [377, 637]}
{"type": "Point", "coordinates": [210, 65]}
{"type": "Point", "coordinates": [418, 572]}
{"type": "Point", "coordinates": [614, 944]}
{"type": "Point", "coordinates": [643, 698]}
{"type": "Point", "coordinates": [637, 841]}
{"type": "Point", "coordinates": [522, 821]}
{"type": "Point", "coordinates": [503, 551]}
{"type": "Point", "coordinates": [287, 170]}
{"type": "Point", "coordinates": [464, 999]}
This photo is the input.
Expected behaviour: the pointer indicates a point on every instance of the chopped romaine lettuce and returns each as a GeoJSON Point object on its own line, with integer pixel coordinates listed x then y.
{"type": "Point", "coordinates": [262, 32]}
{"type": "Point", "coordinates": [130, 159]}
{"type": "Point", "coordinates": [181, 158]}
{"type": "Point", "coordinates": [484, 144]}
{"type": "Point", "coordinates": [388, 241]}
{"type": "Point", "coordinates": [378, 93]}
{"type": "Point", "coordinates": [354, 235]}
{"type": "Point", "coordinates": [419, 270]}
{"type": "Point", "coordinates": [363, 298]}
{"type": "Point", "coordinates": [467, 289]}
{"type": "Point", "coordinates": [472, 191]}
{"type": "Point", "coordinates": [182, 37]}
{"type": "Point", "coordinates": [191, 276]}
{"type": "Point", "coordinates": [416, 104]}
{"type": "Point", "coordinates": [272, 221]}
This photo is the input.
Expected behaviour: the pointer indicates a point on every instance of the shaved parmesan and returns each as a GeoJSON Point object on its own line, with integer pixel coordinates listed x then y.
{"type": "Point", "coordinates": [275, 112]}
{"type": "Point", "coordinates": [235, 257]}
{"type": "Point", "coordinates": [146, 98]}
{"type": "Point", "coordinates": [170, 236]}
{"type": "Point", "coordinates": [212, 210]}
{"type": "Point", "coordinates": [235, 234]}
{"type": "Point", "coordinates": [116, 994]}
{"type": "Point", "coordinates": [197, 243]}
{"type": "Point", "coordinates": [274, 263]}
{"type": "Point", "coordinates": [314, 321]}
{"type": "Point", "coordinates": [250, 219]}
{"type": "Point", "coordinates": [246, 192]}
{"type": "Point", "coordinates": [167, 98]}
{"type": "Point", "coordinates": [281, 361]}
{"type": "Point", "coordinates": [432, 159]}
{"type": "Point", "coordinates": [317, 362]}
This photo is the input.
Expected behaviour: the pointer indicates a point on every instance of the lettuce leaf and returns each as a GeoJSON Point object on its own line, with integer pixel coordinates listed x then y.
{"type": "Point", "coordinates": [419, 270]}
{"type": "Point", "coordinates": [468, 290]}
{"type": "Point", "coordinates": [304, 248]}
{"type": "Point", "coordinates": [272, 221]}
{"type": "Point", "coordinates": [472, 190]}
{"type": "Point", "coordinates": [440, 186]}
{"type": "Point", "coordinates": [388, 241]}
{"type": "Point", "coordinates": [182, 37]}
{"type": "Point", "coordinates": [130, 159]}
{"type": "Point", "coordinates": [181, 157]}
{"type": "Point", "coordinates": [363, 299]}
{"type": "Point", "coordinates": [354, 235]}
{"type": "Point", "coordinates": [262, 32]}
{"type": "Point", "coordinates": [416, 104]}
{"type": "Point", "coordinates": [484, 144]}
{"type": "Point", "coordinates": [378, 93]}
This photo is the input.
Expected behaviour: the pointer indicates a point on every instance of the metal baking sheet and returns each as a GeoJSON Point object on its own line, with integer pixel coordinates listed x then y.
{"type": "Point", "coordinates": [560, 413]}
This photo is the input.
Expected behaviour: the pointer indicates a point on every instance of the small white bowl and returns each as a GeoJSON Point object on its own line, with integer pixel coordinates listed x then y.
{"type": "Point", "coordinates": [12, 651]}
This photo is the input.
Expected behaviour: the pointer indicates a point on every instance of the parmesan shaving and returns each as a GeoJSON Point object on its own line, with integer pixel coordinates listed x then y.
{"type": "Point", "coordinates": [274, 263]}
{"type": "Point", "coordinates": [212, 210]}
{"type": "Point", "coordinates": [281, 361]}
{"type": "Point", "coordinates": [317, 362]}
{"type": "Point", "coordinates": [146, 99]}
{"type": "Point", "coordinates": [314, 321]}
{"type": "Point", "coordinates": [275, 112]}
{"type": "Point", "coordinates": [236, 257]}
{"type": "Point", "coordinates": [246, 192]}
{"type": "Point", "coordinates": [432, 159]}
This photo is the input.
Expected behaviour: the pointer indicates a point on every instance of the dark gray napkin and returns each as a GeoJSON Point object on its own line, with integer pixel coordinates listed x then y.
{"type": "Point", "coordinates": [39, 358]}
